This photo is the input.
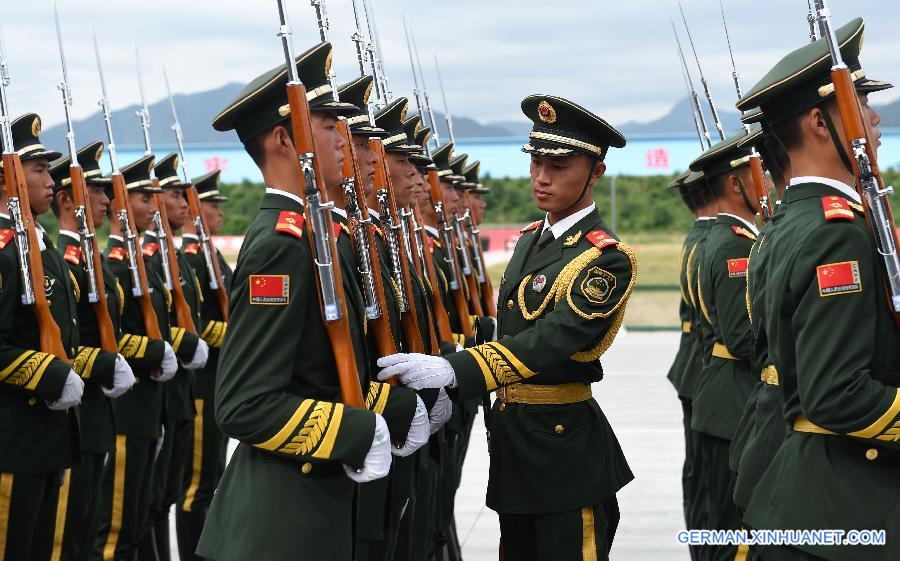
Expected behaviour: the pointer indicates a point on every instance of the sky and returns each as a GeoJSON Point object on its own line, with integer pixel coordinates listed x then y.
{"type": "Point", "coordinates": [616, 58]}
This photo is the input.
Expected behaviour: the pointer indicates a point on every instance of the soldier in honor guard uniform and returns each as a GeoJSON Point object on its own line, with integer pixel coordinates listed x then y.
{"type": "Point", "coordinates": [106, 374]}
{"type": "Point", "coordinates": [38, 391]}
{"type": "Point", "coordinates": [289, 489]}
{"type": "Point", "coordinates": [725, 382]}
{"type": "Point", "coordinates": [192, 351]}
{"type": "Point", "coordinates": [562, 302]}
{"type": "Point", "coordinates": [830, 331]}
{"type": "Point", "coordinates": [125, 499]}
{"type": "Point", "coordinates": [207, 461]}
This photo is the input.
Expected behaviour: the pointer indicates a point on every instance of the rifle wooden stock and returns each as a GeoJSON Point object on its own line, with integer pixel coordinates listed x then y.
{"type": "Point", "coordinates": [105, 326]}
{"type": "Point", "coordinates": [338, 330]}
{"type": "Point", "coordinates": [48, 330]}
{"type": "Point", "coordinates": [151, 324]}
{"type": "Point", "coordinates": [221, 294]}
{"type": "Point", "coordinates": [472, 283]}
{"type": "Point", "coordinates": [458, 294]}
{"type": "Point", "coordinates": [759, 186]}
{"type": "Point", "coordinates": [486, 288]}
{"type": "Point", "coordinates": [409, 322]}
{"type": "Point", "coordinates": [417, 259]}
{"type": "Point", "coordinates": [437, 302]}
{"type": "Point", "coordinates": [380, 326]}
{"type": "Point", "coordinates": [183, 316]}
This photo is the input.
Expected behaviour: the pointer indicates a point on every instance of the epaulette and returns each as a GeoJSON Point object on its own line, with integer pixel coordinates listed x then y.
{"type": "Point", "coordinates": [601, 239]}
{"type": "Point", "coordinates": [378, 231]}
{"type": "Point", "coordinates": [73, 254]}
{"type": "Point", "coordinates": [150, 249]}
{"type": "Point", "coordinates": [338, 228]}
{"type": "Point", "coordinates": [837, 208]}
{"type": "Point", "coordinates": [531, 226]}
{"type": "Point", "coordinates": [290, 222]}
{"type": "Point", "coordinates": [117, 253]}
{"type": "Point", "coordinates": [431, 242]}
{"type": "Point", "coordinates": [5, 236]}
{"type": "Point", "coordinates": [192, 248]}
{"type": "Point", "coordinates": [741, 231]}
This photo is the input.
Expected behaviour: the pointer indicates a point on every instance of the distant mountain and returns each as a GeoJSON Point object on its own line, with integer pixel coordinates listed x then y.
{"type": "Point", "coordinates": [518, 129]}
{"type": "Point", "coordinates": [680, 120]}
{"type": "Point", "coordinates": [890, 114]}
{"type": "Point", "coordinates": [195, 111]}
{"type": "Point", "coordinates": [464, 127]}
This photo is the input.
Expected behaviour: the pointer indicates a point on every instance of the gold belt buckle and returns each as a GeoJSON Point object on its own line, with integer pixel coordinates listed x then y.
{"type": "Point", "coordinates": [501, 394]}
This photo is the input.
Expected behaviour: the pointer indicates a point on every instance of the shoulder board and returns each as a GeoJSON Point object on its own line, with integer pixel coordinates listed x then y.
{"type": "Point", "coordinates": [192, 248]}
{"type": "Point", "coordinates": [837, 209]}
{"type": "Point", "coordinates": [150, 249]}
{"type": "Point", "coordinates": [5, 237]}
{"type": "Point", "coordinates": [117, 253]}
{"type": "Point", "coordinates": [73, 254]}
{"type": "Point", "coordinates": [741, 231]}
{"type": "Point", "coordinates": [431, 242]}
{"type": "Point", "coordinates": [290, 222]}
{"type": "Point", "coordinates": [531, 226]}
{"type": "Point", "coordinates": [337, 230]}
{"type": "Point", "coordinates": [378, 230]}
{"type": "Point", "coordinates": [601, 239]}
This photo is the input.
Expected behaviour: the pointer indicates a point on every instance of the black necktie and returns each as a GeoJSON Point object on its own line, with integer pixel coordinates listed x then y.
{"type": "Point", "coordinates": [543, 241]}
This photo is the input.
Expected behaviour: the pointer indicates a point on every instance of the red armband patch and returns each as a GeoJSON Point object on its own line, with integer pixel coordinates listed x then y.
{"type": "Point", "coordinates": [273, 290]}
{"type": "Point", "coordinates": [117, 253]}
{"type": "Point", "coordinates": [837, 208]}
{"type": "Point", "coordinates": [150, 249]}
{"type": "Point", "coordinates": [601, 239]}
{"type": "Point", "coordinates": [72, 254]}
{"type": "Point", "coordinates": [838, 278]}
{"type": "Point", "coordinates": [290, 222]}
{"type": "Point", "coordinates": [5, 237]}
{"type": "Point", "coordinates": [737, 267]}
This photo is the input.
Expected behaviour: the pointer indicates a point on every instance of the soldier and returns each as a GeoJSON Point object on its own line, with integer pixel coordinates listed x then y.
{"type": "Point", "coordinates": [830, 331]}
{"type": "Point", "coordinates": [207, 462]}
{"type": "Point", "coordinates": [39, 434]}
{"type": "Point", "coordinates": [724, 384]}
{"type": "Point", "coordinates": [289, 487]}
{"type": "Point", "coordinates": [563, 301]}
{"type": "Point", "coordinates": [192, 351]}
{"type": "Point", "coordinates": [125, 499]}
{"type": "Point", "coordinates": [106, 374]}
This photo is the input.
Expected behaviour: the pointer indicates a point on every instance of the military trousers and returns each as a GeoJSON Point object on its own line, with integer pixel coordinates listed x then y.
{"type": "Point", "coordinates": [28, 507]}
{"type": "Point", "coordinates": [690, 474]}
{"type": "Point", "coordinates": [585, 534]}
{"type": "Point", "coordinates": [717, 481]}
{"type": "Point", "coordinates": [79, 504]}
{"type": "Point", "coordinates": [125, 497]}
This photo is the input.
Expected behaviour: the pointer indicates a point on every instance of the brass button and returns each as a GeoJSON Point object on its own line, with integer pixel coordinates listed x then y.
{"type": "Point", "coordinates": [306, 468]}
{"type": "Point", "coordinates": [509, 305]}
{"type": "Point", "coordinates": [559, 429]}
{"type": "Point", "coordinates": [137, 380]}
{"type": "Point", "coordinates": [32, 402]}
{"type": "Point", "coordinates": [502, 407]}
{"type": "Point", "coordinates": [871, 454]}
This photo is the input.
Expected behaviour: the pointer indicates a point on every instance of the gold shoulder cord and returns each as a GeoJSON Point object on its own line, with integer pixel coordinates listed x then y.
{"type": "Point", "coordinates": [687, 275]}
{"type": "Point", "coordinates": [565, 277]}
{"type": "Point", "coordinates": [684, 297]}
{"type": "Point", "coordinates": [747, 292]}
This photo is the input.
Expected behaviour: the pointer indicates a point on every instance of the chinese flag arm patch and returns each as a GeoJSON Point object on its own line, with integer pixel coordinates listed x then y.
{"type": "Point", "coordinates": [601, 239]}
{"type": "Point", "coordinates": [150, 249]}
{"type": "Point", "coordinates": [73, 254]}
{"type": "Point", "coordinates": [737, 267]}
{"type": "Point", "coordinates": [837, 208]}
{"type": "Point", "coordinates": [5, 237]}
{"type": "Point", "coordinates": [272, 290]}
{"type": "Point", "coordinates": [839, 278]}
{"type": "Point", "coordinates": [290, 222]}
{"type": "Point", "coordinates": [192, 248]}
{"type": "Point", "coordinates": [117, 253]}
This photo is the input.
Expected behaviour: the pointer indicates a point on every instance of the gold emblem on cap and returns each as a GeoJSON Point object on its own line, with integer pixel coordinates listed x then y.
{"type": "Point", "coordinates": [175, 162]}
{"type": "Point", "coordinates": [285, 110]}
{"type": "Point", "coordinates": [328, 63]}
{"type": "Point", "coordinates": [403, 112]}
{"type": "Point", "coordinates": [546, 112]}
{"type": "Point", "coordinates": [417, 129]}
{"type": "Point", "coordinates": [36, 127]}
{"type": "Point", "coordinates": [368, 93]}
{"type": "Point", "coordinates": [99, 153]}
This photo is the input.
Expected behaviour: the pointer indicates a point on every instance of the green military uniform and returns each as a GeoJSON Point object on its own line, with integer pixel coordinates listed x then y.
{"type": "Point", "coordinates": [137, 415]}
{"type": "Point", "coordinates": [285, 492]}
{"type": "Point", "coordinates": [209, 444]}
{"type": "Point", "coordinates": [562, 301]}
{"type": "Point", "coordinates": [832, 338]}
{"type": "Point", "coordinates": [39, 445]}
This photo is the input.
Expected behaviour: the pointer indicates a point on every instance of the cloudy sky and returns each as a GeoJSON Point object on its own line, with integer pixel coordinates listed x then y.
{"type": "Point", "coordinates": [615, 57]}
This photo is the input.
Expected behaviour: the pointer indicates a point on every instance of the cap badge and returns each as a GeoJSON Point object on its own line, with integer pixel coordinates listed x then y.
{"type": "Point", "coordinates": [368, 93]}
{"type": "Point", "coordinates": [546, 112]}
{"type": "Point", "coordinates": [36, 127]}
{"type": "Point", "coordinates": [99, 153]}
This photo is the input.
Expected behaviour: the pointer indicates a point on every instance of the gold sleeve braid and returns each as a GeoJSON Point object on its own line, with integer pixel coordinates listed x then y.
{"type": "Point", "coordinates": [133, 346]}
{"type": "Point", "coordinates": [377, 397]}
{"type": "Point", "coordinates": [311, 431]}
{"type": "Point", "coordinates": [84, 361]}
{"type": "Point", "coordinates": [887, 426]}
{"type": "Point", "coordinates": [684, 297]}
{"type": "Point", "coordinates": [214, 333]}
{"type": "Point", "coordinates": [688, 277]}
{"type": "Point", "coordinates": [27, 370]}
{"type": "Point", "coordinates": [75, 288]}
{"type": "Point", "coordinates": [499, 366]}
{"type": "Point", "coordinates": [177, 335]}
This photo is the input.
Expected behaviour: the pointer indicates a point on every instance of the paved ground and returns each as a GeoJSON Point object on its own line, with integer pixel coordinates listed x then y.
{"type": "Point", "coordinates": [643, 409]}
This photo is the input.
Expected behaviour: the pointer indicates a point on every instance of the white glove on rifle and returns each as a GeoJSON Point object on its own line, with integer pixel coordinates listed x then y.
{"type": "Point", "coordinates": [441, 411]}
{"type": "Point", "coordinates": [378, 461]}
{"type": "Point", "coordinates": [418, 431]}
{"type": "Point", "coordinates": [200, 356]}
{"type": "Point", "coordinates": [417, 371]}
{"type": "Point", "coordinates": [71, 393]}
{"type": "Point", "coordinates": [123, 379]}
{"type": "Point", "coordinates": [169, 365]}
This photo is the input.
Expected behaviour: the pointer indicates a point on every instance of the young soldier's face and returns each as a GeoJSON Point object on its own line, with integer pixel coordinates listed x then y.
{"type": "Point", "coordinates": [99, 203]}
{"type": "Point", "coordinates": [478, 206]}
{"type": "Point", "coordinates": [39, 183]}
{"type": "Point", "coordinates": [558, 183]}
{"type": "Point", "coordinates": [871, 119]}
{"type": "Point", "coordinates": [451, 198]}
{"type": "Point", "coordinates": [402, 177]}
{"type": "Point", "coordinates": [176, 208]}
{"type": "Point", "coordinates": [365, 159]}
{"type": "Point", "coordinates": [143, 209]}
{"type": "Point", "coordinates": [213, 216]}
{"type": "Point", "coordinates": [329, 146]}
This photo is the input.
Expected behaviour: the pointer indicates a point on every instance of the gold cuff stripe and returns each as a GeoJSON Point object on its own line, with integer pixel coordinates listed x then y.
{"type": "Point", "coordinates": [489, 383]}
{"type": "Point", "coordinates": [6, 485]}
{"type": "Point", "coordinates": [883, 421]}
{"type": "Point", "coordinates": [84, 361]}
{"type": "Point", "coordinates": [118, 498]}
{"type": "Point", "coordinates": [288, 429]}
{"type": "Point", "coordinates": [459, 339]}
{"type": "Point", "coordinates": [197, 460]}
{"type": "Point", "coordinates": [769, 375]}
{"type": "Point", "coordinates": [802, 424]}
{"type": "Point", "coordinates": [721, 351]}
{"type": "Point", "coordinates": [382, 400]}
{"type": "Point", "coordinates": [588, 535]}
{"type": "Point", "coordinates": [177, 334]}
{"type": "Point", "coordinates": [308, 438]}
{"type": "Point", "coordinates": [62, 505]}
{"type": "Point", "coordinates": [327, 446]}
{"type": "Point", "coordinates": [214, 333]}
{"type": "Point", "coordinates": [524, 371]}
{"type": "Point", "coordinates": [685, 327]}
{"type": "Point", "coordinates": [566, 140]}
{"type": "Point", "coordinates": [15, 365]}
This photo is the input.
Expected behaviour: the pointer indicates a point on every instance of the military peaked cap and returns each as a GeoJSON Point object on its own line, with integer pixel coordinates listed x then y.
{"type": "Point", "coordinates": [88, 158]}
{"type": "Point", "coordinates": [562, 128]}
{"type": "Point", "coordinates": [26, 133]}
{"type": "Point", "coordinates": [357, 93]}
{"type": "Point", "coordinates": [167, 172]}
{"type": "Point", "coordinates": [208, 187]}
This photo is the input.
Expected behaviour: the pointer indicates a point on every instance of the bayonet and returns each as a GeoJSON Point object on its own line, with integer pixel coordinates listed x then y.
{"type": "Point", "coordinates": [709, 99]}
{"type": "Point", "coordinates": [447, 116]}
{"type": "Point", "coordinates": [699, 120]}
{"type": "Point", "coordinates": [434, 131]}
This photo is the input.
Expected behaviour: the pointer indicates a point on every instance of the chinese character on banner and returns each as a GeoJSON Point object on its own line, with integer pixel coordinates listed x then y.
{"type": "Point", "coordinates": [658, 158]}
{"type": "Point", "coordinates": [216, 163]}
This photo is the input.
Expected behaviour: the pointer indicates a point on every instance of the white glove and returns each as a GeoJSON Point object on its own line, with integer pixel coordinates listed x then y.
{"type": "Point", "coordinates": [459, 347]}
{"type": "Point", "coordinates": [200, 356]}
{"type": "Point", "coordinates": [123, 379]}
{"type": "Point", "coordinates": [417, 371]}
{"type": "Point", "coordinates": [378, 461]}
{"type": "Point", "coordinates": [169, 365]}
{"type": "Point", "coordinates": [441, 411]}
{"type": "Point", "coordinates": [71, 393]}
{"type": "Point", "coordinates": [418, 432]}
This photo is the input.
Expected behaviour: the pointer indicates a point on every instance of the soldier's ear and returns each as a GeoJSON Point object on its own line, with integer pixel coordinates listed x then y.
{"type": "Point", "coordinates": [598, 171]}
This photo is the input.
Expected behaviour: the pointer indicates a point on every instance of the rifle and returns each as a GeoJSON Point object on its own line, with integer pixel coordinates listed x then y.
{"type": "Point", "coordinates": [756, 171]}
{"type": "Point", "coordinates": [409, 320]}
{"type": "Point", "coordinates": [383, 89]}
{"type": "Point", "coordinates": [319, 227]}
{"type": "Point", "coordinates": [699, 119]}
{"type": "Point", "coordinates": [446, 230]}
{"type": "Point", "coordinates": [468, 273]}
{"type": "Point", "coordinates": [210, 256]}
{"type": "Point", "coordinates": [870, 183]}
{"type": "Point", "coordinates": [484, 281]}
{"type": "Point", "coordinates": [122, 206]}
{"type": "Point", "coordinates": [447, 116]}
{"type": "Point", "coordinates": [31, 268]}
{"type": "Point", "coordinates": [709, 99]}
{"type": "Point", "coordinates": [416, 251]}
{"type": "Point", "coordinates": [445, 333]}
{"type": "Point", "coordinates": [96, 293]}
{"type": "Point", "coordinates": [171, 270]}
{"type": "Point", "coordinates": [410, 36]}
